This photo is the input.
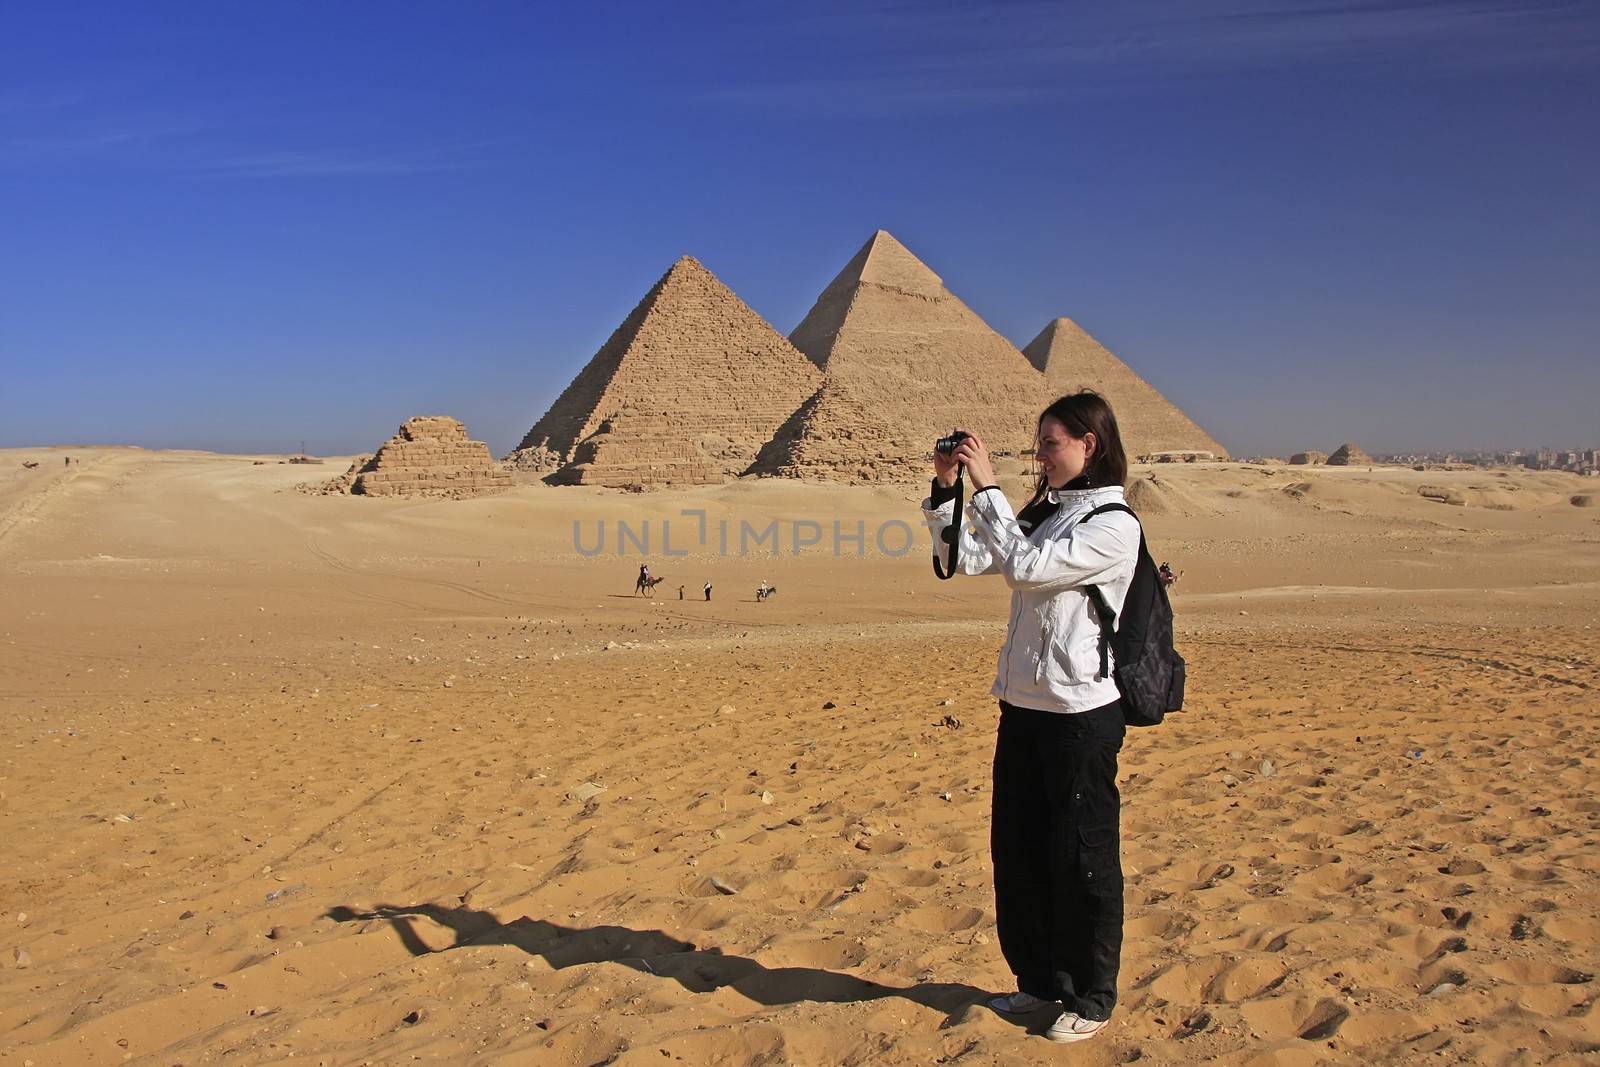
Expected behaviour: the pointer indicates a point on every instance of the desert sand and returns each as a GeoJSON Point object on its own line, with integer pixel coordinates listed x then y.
{"type": "Point", "coordinates": [337, 780]}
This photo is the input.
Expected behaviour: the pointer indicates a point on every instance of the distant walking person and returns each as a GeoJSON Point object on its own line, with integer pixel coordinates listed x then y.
{"type": "Point", "coordinates": [708, 589]}
{"type": "Point", "coordinates": [680, 592]}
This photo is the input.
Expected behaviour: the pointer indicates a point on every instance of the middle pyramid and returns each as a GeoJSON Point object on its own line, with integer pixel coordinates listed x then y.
{"type": "Point", "coordinates": [686, 390]}
{"type": "Point", "coordinates": [904, 362]}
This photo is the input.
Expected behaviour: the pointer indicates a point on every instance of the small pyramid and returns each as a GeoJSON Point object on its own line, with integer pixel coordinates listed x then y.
{"type": "Point", "coordinates": [1150, 423]}
{"type": "Point", "coordinates": [1350, 454]}
{"type": "Point", "coordinates": [905, 361]}
{"type": "Point", "coordinates": [687, 389]}
{"type": "Point", "coordinates": [430, 455]}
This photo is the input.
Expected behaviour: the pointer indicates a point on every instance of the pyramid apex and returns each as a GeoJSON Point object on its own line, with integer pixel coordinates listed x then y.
{"type": "Point", "coordinates": [884, 260]}
{"type": "Point", "coordinates": [684, 269]}
{"type": "Point", "coordinates": [1061, 324]}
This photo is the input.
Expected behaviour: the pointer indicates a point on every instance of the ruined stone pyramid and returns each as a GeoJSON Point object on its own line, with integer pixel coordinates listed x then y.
{"type": "Point", "coordinates": [686, 390]}
{"type": "Point", "coordinates": [1350, 454]}
{"type": "Point", "coordinates": [1150, 423]}
{"type": "Point", "coordinates": [905, 360]}
{"type": "Point", "coordinates": [429, 455]}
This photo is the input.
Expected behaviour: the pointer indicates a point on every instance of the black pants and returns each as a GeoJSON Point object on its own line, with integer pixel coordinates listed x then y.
{"type": "Point", "coordinates": [1057, 862]}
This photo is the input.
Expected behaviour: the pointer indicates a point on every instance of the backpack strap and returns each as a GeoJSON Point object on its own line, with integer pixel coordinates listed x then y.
{"type": "Point", "coordinates": [952, 533]}
{"type": "Point", "coordinates": [1102, 609]}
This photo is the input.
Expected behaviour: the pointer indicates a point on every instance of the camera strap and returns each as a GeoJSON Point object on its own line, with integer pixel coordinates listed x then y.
{"type": "Point", "coordinates": [951, 534]}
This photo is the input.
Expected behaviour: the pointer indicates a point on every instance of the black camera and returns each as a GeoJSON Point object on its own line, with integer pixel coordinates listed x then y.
{"type": "Point", "coordinates": [946, 445]}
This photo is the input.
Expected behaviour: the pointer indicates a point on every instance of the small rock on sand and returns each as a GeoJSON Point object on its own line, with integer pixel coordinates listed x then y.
{"type": "Point", "coordinates": [21, 958]}
{"type": "Point", "coordinates": [722, 887]}
{"type": "Point", "coordinates": [586, 791]}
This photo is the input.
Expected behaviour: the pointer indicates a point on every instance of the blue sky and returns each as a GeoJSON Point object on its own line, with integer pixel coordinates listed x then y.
{"type": "Point", "coordinates": [236, 226]}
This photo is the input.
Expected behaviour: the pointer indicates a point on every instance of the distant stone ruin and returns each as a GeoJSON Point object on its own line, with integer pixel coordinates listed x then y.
{"type": "Point", "coordinates": [685, 391]}
{"type": "Point", "coordinates": [430, 456]}
{"type": "Point", "coordinates": [904, 362]}
{"type": "Point", "coordinates": [1151, 425]}
{"type": "Point", "coordinates": [1350, 455]}
{"type": "Point", "coordinates": [1309, 458]}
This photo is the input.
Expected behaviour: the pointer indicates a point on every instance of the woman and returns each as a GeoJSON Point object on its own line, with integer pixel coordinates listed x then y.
{"type": "Point", "coordinates": [1054, 838]}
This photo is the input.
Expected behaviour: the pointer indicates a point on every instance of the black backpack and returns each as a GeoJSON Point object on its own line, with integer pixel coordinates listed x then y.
{"type": "Point", "coordinates": [1149, 671]}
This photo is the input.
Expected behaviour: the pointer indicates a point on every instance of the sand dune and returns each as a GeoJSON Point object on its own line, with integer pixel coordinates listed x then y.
{"type": "Point", "coordinates": [366, 780]}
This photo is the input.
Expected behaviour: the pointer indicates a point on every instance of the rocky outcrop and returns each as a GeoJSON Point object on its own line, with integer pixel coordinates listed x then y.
{"type": "Point", "coordinates": [1309, 458]}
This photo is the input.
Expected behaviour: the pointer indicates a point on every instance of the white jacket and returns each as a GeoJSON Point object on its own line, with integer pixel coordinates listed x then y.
{"type": "Point", "coordinates": [1051, 658]}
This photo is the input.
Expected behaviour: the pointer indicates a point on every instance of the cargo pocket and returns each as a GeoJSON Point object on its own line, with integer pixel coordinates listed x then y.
{"type": "Point", "coordinates": [1099, 859]}
{"type": "Point", "coordinates": [1175, 691]}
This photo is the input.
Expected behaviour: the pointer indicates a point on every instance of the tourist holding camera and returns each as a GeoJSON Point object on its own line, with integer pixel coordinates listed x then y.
{"type": "Point", "coordinates": [1054, 833]}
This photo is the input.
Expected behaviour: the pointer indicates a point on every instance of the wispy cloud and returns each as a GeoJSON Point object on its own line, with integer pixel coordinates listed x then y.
{"type": "Point", "coordinates": [77, 137]}
{"type": "Point", "coordinates": [336, 162]}
{"type": "Point", "coordinates": [897, 56]}
{"type": "Point", "coordinates": [49, 130]}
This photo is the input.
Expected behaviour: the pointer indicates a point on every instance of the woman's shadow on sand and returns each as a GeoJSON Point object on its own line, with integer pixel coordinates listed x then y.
{"type": "Point", "coordinates": [699, 970]}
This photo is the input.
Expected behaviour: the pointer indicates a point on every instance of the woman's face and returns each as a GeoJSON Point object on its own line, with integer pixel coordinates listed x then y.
{"type": "Point", "coordinates": [1062, 457]}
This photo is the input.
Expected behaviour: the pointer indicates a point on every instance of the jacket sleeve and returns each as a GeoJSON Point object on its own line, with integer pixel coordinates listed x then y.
{"type": "Point", "coordinates": [938, 512]}
{"type": "Point", "coordinates": [1101, 550]}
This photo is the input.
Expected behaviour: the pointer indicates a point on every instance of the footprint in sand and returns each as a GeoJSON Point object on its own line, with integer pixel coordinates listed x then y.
{"type": "Point", "coordinates": [1245, 980]}
{"type": "Point", "coordinates": [1307, 1018]}
{"type": "Point", "coordinates": [938, 919]}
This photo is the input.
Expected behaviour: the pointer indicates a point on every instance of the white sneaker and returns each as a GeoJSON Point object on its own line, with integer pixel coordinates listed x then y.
{"type": "Point", "coordinates": [1018, 1003]}
{"type": "Point", "coordinates": [1074, 1027]}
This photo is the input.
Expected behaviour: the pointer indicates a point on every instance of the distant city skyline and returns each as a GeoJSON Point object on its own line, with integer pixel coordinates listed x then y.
{"type": "Point", "coordinates": [1304, 224]}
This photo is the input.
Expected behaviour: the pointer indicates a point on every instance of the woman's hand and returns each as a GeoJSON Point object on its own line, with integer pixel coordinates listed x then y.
{"type": "Point", "coordinates": [945, 468]}
{"type": "Point", "coordinates": [975, 455]}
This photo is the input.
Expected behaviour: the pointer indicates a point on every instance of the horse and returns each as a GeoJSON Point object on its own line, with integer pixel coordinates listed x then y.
{"type": "Point", "coordinates": [764, 591]}
{"type": "Point", "coordinates": [647, 586]}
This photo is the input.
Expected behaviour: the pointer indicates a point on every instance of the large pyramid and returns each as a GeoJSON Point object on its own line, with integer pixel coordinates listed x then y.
{"type": "Point", "coordinates": [1150, 423]}
{"type": "Point", "coordinates": [905, 360]}
{"type": "Point", "coordinates": [687, 389]}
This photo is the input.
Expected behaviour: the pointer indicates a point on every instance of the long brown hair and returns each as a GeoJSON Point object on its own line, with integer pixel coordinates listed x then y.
{"type": "Point", "coordinates": [1084, 413]}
